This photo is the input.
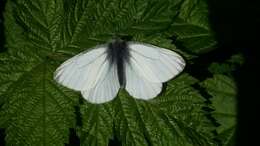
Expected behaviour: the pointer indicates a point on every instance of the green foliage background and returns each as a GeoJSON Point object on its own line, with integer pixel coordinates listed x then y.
{"type": "Point", "coordinates": [40, 35]}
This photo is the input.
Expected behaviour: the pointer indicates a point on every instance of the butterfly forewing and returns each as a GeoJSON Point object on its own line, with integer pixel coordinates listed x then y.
{"type": "Point", "coordinates": [160, 65]}
{"type": "Point", "coordinates": [147, 70]}
{"type": "Point", "coordinates": [83, 71]}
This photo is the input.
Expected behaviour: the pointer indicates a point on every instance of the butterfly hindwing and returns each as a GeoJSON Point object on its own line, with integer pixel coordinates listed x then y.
{"type": "Point", "coordinates": [140, 87]}
{"type": "Point", "coordinates": [105, 90]}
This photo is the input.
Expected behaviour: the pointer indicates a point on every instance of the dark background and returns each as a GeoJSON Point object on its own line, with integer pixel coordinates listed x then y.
{"type": "Point", "coordinates": [236, 24]}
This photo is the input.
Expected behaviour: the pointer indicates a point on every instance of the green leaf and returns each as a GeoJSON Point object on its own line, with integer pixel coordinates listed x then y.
{"type": "Point", "coordinates": [36, 111]}
{"type": "Point", "coordinates": [97, 126]}
{"type": "Point", "coordinates": [175, 118]}
{"type": "Point", "coordinates": [223, 90]}
{"type": "Point", "coordinates": [192, 27]}
{"type": "Point", "coordinates": [42, 34]}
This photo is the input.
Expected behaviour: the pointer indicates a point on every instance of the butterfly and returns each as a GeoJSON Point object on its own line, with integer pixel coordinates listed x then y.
{"type": "Point", "coordinates": [139, 68]}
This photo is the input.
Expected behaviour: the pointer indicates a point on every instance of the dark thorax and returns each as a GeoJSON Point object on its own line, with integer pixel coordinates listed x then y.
{"type": "Point", "coordinates": [118, 54]}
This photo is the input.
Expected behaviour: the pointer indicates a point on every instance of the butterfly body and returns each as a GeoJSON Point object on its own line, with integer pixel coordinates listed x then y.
{"type": "Point", "coordinates": [118, 54]}
{"type": "Point", "coordinates": [137, 67]}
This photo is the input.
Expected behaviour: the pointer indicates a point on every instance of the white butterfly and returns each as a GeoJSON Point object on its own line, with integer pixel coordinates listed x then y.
{"type": "Point", "coordinates": [138, 67]}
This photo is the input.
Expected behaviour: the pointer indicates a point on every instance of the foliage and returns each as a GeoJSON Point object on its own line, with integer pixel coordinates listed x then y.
{"type": "Point", "coordinates": [40, 35]}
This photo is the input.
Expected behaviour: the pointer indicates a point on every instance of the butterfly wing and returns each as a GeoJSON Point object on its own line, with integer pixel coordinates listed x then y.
{"type": "Point", "coordinates": [105, 90]}
{"type": "Point", "coordinates": [84, 70]}
{"type": "Point", "coordinates": [138, 86]}
{"type": "Point", "coordinates": [92, 74]}
{"type": "Point", "coordinates": [148, 67]}
{"type": "Point", "coordinates": [154, 63]}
